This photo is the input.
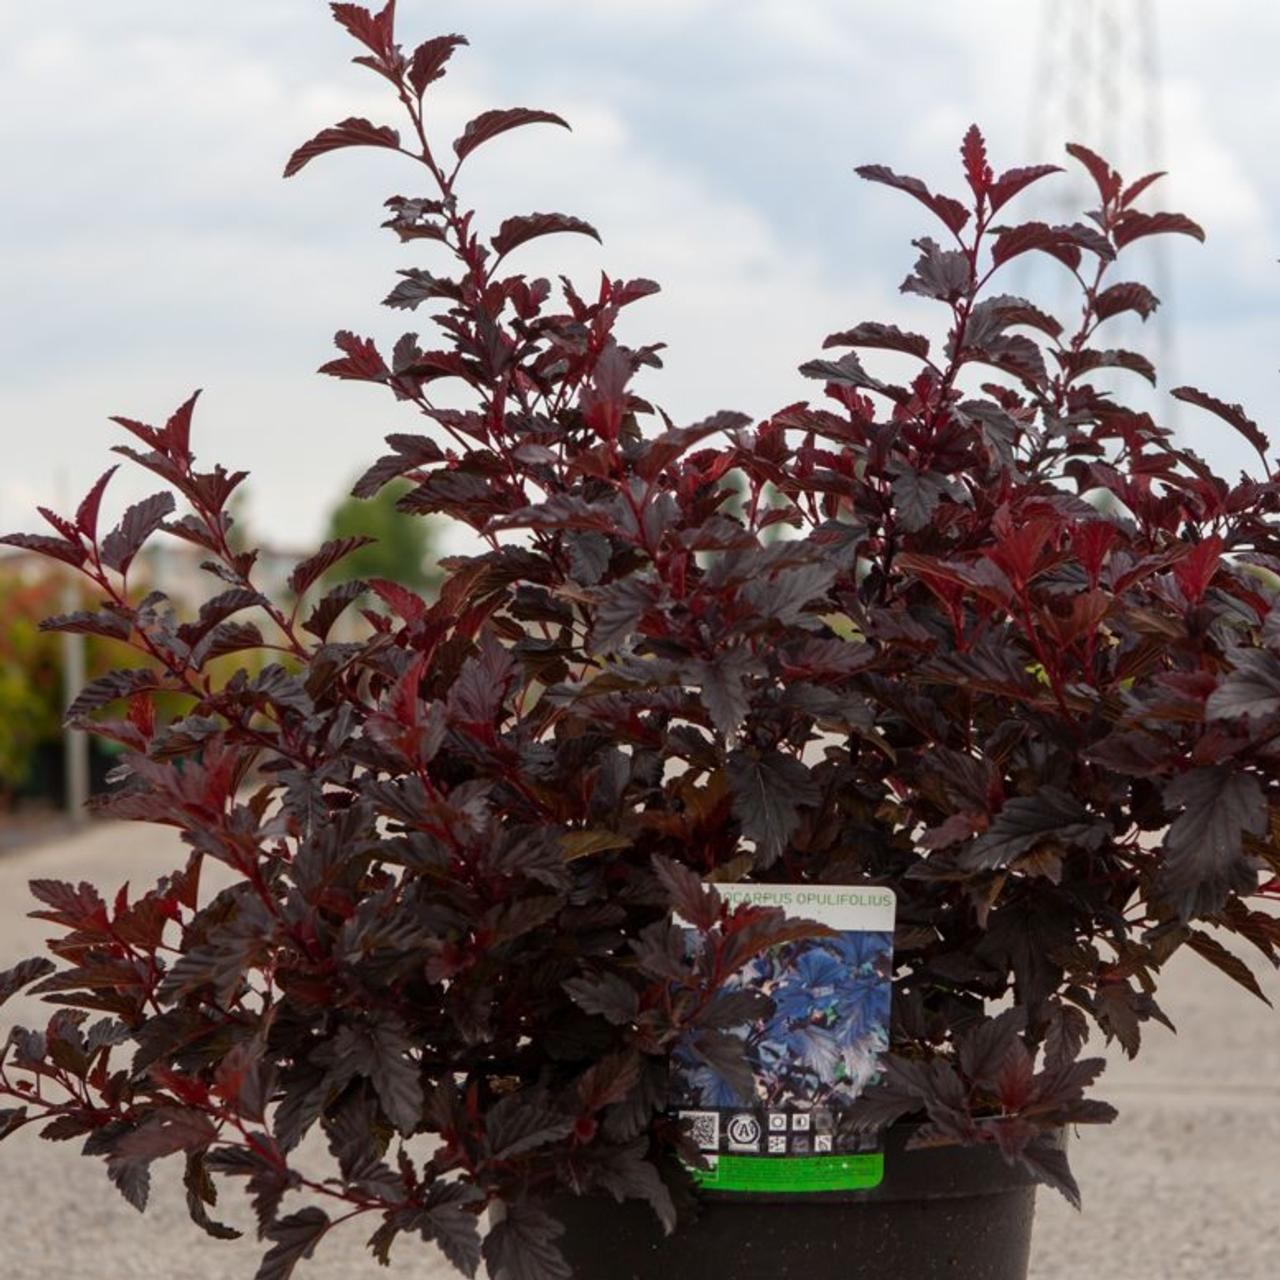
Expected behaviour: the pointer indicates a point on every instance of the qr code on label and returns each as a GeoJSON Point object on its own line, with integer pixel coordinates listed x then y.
{"type": "Point", "coordinates": [704, 1128]}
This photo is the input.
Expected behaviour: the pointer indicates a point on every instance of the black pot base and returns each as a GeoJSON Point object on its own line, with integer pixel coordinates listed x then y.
{"type": "Point", "coordinates": [941, 1214]}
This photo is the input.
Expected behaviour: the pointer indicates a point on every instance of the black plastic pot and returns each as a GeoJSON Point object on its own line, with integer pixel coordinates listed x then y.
{"type": "Point", "coordinates": [946, 1213]}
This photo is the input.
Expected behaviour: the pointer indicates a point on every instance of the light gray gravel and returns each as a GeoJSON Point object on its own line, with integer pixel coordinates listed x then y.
{"type": "Point", "coordinates": [1184, 1185]}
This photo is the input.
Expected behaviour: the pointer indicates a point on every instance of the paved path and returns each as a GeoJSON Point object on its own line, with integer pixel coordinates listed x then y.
{"type": "Point", "coordinates": [1186, 1184]}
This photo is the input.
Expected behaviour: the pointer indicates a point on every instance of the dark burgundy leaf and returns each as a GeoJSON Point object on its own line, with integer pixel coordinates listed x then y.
{"type": "Point", "coordinates": [11, 1120]}
{"type": "Point", "coordinates": [769, 790]}
{"type": "Point", "coordinates": [939, 273]}
{"type": "Point", "coordinates": [1136, 188]}
{"type": "Point", "coordinates": [606, 995]}
{"type": "Point", "coordinates": [106, 689]}
{"type": "Point", "coordinates": [1046, 1161]}
{"type": "Point", "coordinates": [1232, 414]}
{"type": "Point", "coordinates": [87, 512]}
{"type": "Point", "coordinates": [201, 1192]}
{"type": "Point", "coordinates": [353, 132]}
{"type": "Point", "coordinates": [489, 124]}
{"type": "Point", "coordinates": [1027, 821]}
{"type": "Point", "coordinates": [1251, 689]}
{"type": "Point", "coordinates": [1210, 949]}
{"type": "Point", "coordinates": [315, 566]}
{"type": "Point", "coordinates": [887, 337]}
{"type": "Point", "coordinates": [375, 31]}
{"type": "Point", "coordinates": [521, 1122]}
{"type": "Point", "coordinates": [696, 903]}
{"type": "Point", "coordinates": [361, 363]}
{"type": "Point", "coordinates": [1204, 845]}
{"type": "Point", "coordinates": [23, 974]}
{"type": "Point", "coordinates": [410, 453]}
{"type": "Point", "coordinates": [916, 496]}
{"type": "Point", "coordinates": [112, 626]}
{"type": "Point", "coordinates": [522, 1245]}
{"type": "Point", "coordinates": [1126, 296]}
{"type": "Point", "coordinates": [1078, 363]}
{"type": "Point", "coordinates": [1133, 225]}
{"type": "Point", "coordinates": [845, 372]}
{"type": "Point", "coordinates": [1009, 183]}
{"type": "Point", "coordinates": [951, 212]}
{"type": "Point", "coordinates": [419, 286]}
{"type": "Point", "coordinates": [973, 151]}
{"type": "Point", "coordinates": [428, 62]}
{"type": "Point", "coordinates": [225, 638]}
{"type": "Point", "coordinates": [140, 521]}
{"type": "Point", "coordinates": [517, 231]}
{"type": "Point", "coordinates": [1104, 176]}
{"type": "Point", "coordinates": [295, 1238]}
{"type": "Point", "coordinates": [55, 548]}
{"type": "Point", "coordinates": [1012, 241]}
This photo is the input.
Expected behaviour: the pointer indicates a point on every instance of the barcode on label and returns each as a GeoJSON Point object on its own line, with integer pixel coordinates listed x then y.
{"type": "Point", "coordinates": [704, 1128]}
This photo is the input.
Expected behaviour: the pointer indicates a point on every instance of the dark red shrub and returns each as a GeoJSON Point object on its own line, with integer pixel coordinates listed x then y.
{"type": "Point", "coordinates": [1014, 656]}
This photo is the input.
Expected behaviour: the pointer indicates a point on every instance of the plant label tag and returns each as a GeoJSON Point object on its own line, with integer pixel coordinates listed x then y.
{"type": "Point", "coordinates": [815, 1046]}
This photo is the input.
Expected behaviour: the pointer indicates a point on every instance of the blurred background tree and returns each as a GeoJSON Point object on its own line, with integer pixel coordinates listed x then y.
{"type": "Point", "coordinates": [405, 551]}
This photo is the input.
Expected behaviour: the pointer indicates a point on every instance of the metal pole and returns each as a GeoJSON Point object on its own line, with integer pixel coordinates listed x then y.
{"type": "Point", "coordinates": [75, 743]}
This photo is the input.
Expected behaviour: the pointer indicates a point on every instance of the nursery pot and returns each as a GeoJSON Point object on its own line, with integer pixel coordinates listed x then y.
{"type": "Point", "coordinates": [950, 1213]}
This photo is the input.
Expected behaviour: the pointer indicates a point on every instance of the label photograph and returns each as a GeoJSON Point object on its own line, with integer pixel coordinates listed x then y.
{"type": "Point", "coordinates": [814, 1052]}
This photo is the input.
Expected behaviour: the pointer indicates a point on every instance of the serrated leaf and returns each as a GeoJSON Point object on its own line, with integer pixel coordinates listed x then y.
{"type": "Point", "coordinates": [1026, 821]}
{"type": "Point", "coordinates": [332, 605]}
{"type": "Point", "coordinates": [112, 626]}
{"type": "Point", "coordinates": [1009, 183]}
{"type": "Point", "coordinates": [520, 230]}
{"type": "Point", "coordinates": [111, 687]}
{"type": "Point", "coordinates": [1125, 296]}
{"type": "Point", "coordinates": [489, 124]}
{"type": "Point", "coordinates": [605, 995]}
{"type": "Point", "coordinates": [428, 62]}
{"type": "Point", "coordinates": [1232, 414]}
{"type": "Point", "coordinates": [140, 521]}
{"type": "Point", "coordinates": [885, 337]}
{"type": "Point", "coordinates": [769, 790]}
{"type": "Point", "coordinates": [1204, 845]}
{"type": "Point", "coordinates": [522, 1122]}
{"type": "Point", "coordinates": [1133, 225]}
{"type": "Point", "coordinates": [55, 548]}
{"type": "Point", "coordinates": [522, 1245]}
{"type": "Point", "coordinates": [352, 132]}
{"type": "Point", "coordinates": [845, 372]}
{"type": "Point", "coordinates": [87, 512]}
{"type": "Point", "coordinates": [1210, 949]}
{"type": "Point", "coordinates": [916, 496]}
{"type": "Point", "coordinates": [951, 212]}
{"type": "Point", "coordinates": [23, 974]}
{"type": "Point", "coordinates": [1250, 689]}
{"type": "Point", "coordinates": [1047, 1162]}
{"type": "Point", "coordinates": [295, 1239]}
{"type": "Point", "coordinates": [310, 570]}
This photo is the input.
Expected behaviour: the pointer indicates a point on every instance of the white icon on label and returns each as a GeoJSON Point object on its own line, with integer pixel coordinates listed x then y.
{"type": "Point", "coordinates": [777, 1144]}
{"type": "Point", "coordinates": [822, 1142]}
{"type": "Point", "coordinates": [744, 1133]}
{"type": "Point", "coordinates": [800, 1122]}
{"type": "Point", "coordinates": [777, 1122]}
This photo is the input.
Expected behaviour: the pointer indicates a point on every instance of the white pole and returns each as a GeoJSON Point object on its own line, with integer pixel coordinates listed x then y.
{"type": "Point", "coordinates": [75, 743]}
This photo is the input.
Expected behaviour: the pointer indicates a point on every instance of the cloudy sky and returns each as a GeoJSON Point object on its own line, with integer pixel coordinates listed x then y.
{"type": "Point", "coordinates": [148, 245]}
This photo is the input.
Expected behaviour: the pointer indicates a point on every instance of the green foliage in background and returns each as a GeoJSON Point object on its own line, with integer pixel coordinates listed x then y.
{"type": "Point", "coordinates": [404, 550]}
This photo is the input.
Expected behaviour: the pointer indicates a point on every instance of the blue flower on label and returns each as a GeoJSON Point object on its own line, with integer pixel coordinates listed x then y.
{"type": "Point", "coordinates": [819, 1038]}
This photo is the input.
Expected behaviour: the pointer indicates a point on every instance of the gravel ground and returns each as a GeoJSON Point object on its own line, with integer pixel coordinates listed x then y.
{"type": "Point", "coordinates": [1184, 1185]}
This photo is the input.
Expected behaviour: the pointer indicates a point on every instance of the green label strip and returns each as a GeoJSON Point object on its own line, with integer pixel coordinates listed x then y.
{"type": "Point", "coordinates": [792, 1173]}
